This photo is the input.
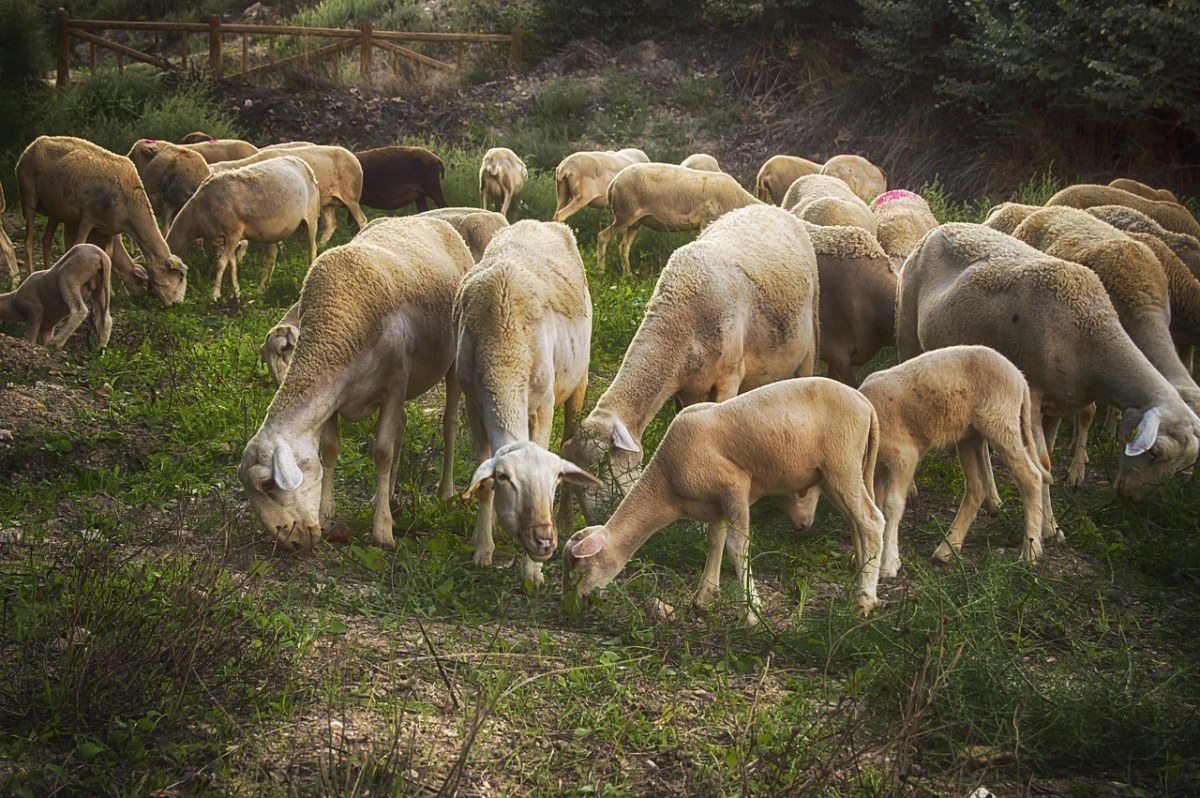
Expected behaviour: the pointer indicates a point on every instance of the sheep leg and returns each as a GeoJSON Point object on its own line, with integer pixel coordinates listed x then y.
{"type": "Point", "coordinates": [1079, 453]}
{"type": "Point", "coordinates": [78, 312]}
{"type": "Point", "coordinates": [449, 433]}
{"type": "Point", "coordinates": [602, 239]}
{"type": "Point", "coordinates": [224, 258]}
{"type": "Point", "coordinates": [47, 242]}
{"type": "Point", "coordinates": [843, 482]}
{"type": "Point", "coordinates": [571, 208]}
{"type": "Point", "coordinates": [28, 192]}
{"type": "Point", "coordinates": [33, 321]}
{"type": "Point", "coordinates": [9, 254]}
{"type": "Point", "coordinates": [330, 447]}
{"type": "Point", "coordinates": [627, 245]}
{"type": "Point", "coordinates": [991, 495]}
{"type": "Point", "coordinates": [397, 449]}
{"type": "Point", "coordinates": [973, 457]}
{"type": "Point", "coordinates": [268, 267]}
{"type": "Point", "coordinates": [1028, 476]}
{"type": "Point", "coordinates": [481, 539]}
{"type": "Point", "coordinates": [891, 481]}
{"type": "Point", "coordinates": [328, 223]}
{"type": "Point", "coordinates": [710, 580]}
{"type": "Point", "coordinates": [356, 212]}
{"type": "Point", "coordinates": [737, 543]}
{"type": "Point", "coordinates": [392, 420]}
{"type": "Point", "coordinates": [422, 205]}
{"type": "Point", "coordinates": [1045, 430]}
{"type": "Point", "coordinates": [507, 201]}
{"type": "Point", "coordinates": [571, 410]}
{"type": "Point", "coordinates": [1186, 351]}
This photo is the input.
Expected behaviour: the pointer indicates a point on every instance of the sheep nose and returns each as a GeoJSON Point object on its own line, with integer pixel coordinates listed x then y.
{"type": "Point", "coordinates": [544, 545]}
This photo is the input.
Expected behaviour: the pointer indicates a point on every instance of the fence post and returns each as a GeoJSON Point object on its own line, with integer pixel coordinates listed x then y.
{"type": "Point", "coordinates": [515, 51]}
{"type": "Point", "coordinates": [214, 45]}
{"type": "Point", "coordinates": [367, 47]}
{"type": "Point", "coordinates": [63, 50]}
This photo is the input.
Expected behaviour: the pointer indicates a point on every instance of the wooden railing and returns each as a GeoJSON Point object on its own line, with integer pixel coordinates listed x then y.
{"type": "Point", "coordinates": [364, 38]}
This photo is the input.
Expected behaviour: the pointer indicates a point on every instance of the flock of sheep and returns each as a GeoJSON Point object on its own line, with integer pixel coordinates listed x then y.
{"type": "Point", "coordinates": [1001, 330]}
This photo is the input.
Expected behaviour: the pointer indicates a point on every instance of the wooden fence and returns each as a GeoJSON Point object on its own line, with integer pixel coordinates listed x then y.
{"type": "Point", "coordinates": [365, 39]}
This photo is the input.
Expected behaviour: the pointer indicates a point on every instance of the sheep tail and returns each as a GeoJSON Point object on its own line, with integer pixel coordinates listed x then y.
{"type": "Point", "coordinates": [871, 455]}
{"type": "Point", "coordinates": [1041, 464]}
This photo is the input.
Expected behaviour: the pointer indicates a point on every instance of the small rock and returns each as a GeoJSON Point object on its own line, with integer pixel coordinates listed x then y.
{"type": "Point", "coordinates": [658, 610]}
{"type": "Point", "coordinates": [6, 436]}
{"type": "Point", "coordinates": [10, 535]}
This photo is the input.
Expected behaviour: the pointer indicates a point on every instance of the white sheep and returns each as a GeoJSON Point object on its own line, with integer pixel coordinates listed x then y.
{"type": "Point", "coordinates": [1143, 190]}
{"type": "Point", "coordinates": [91, 190]}
{"type": "Point", "coordinates": [865, 178]}
{"type": "Point", "coordinates": [702, 161]}
{"type": "Point", "coordinates": [828, 200]}
{"type": "Point", "coordinates": [667, 198]}
{"type": "Point", "coordinates": [170, 173]}
{"type": "Point", "coordinates": [969, 284]}
{"type": "Point", "coordinates": [581, 179]}
{"type": "Point", "coordinates": [1007, 216]}
{"type": "Point", "coordinates": [968, 396]}
{"type": "Point", "coordinates": [778, 173]}
{"type": "Point", "coordinates": [376, 315]}
{"type": "Point", "coordinates": [1170, 215]}
{"type": "Point", "coordinates": [524, 321]}
{"type": "Point", "coordinates": [221, 150]}
{"type": "Point", "coordinates": [262, 202]}
{"type": "Point", "coordinates": [733, 310]}
{"type": "Point", "coordinates": [903, 219]}
{"type": "Point", "coordinates": [502, 175]}
{"type": "Point", "coordinates": [719, 458]}
{"type": "Point", "coordinates": [63, 293]}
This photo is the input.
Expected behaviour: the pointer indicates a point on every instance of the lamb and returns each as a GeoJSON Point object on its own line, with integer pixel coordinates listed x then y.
{"type": "Point", "coordinates": [733, 310]}
{"type": "Point", "coordinates": [502, 175]}
{"type": "Point", "coordinates": [702, 161]}
{"type": "Point", "coordinates": [524, 321]}
{"type": "Point", "coordinates": [667, 198]}
{"type": "Point", "coordinates": [397, 176]}
{"type": "Point", "coordinates": [903, 219]}
{"type": "Point", "coordinates": [719, 458]}
{"type": "Point", "coordinates": [476, 226]}
{"type": "Point", "coordinates": [864, 178]}
{"type": "Point", "coordinates": [170, 173]}
{"type": "Point", "coordinates": [1007, 216]}
{"type": "Point", "coordinates": [778, 174]}
{"type": "Point", "coordinates": [582, 179]}
{"type": "Point", "coordinates": [7, 252]}
{"type": "Point", "coordinates": [969, 396]}
{"type": "Point", "coordinates": [221, 150]}
{"type": "Point", "coordinates": [280, 344]}
{"type": "Point", "coordinates": [264, 202]}
{"type": "Point", "coordinates": [92, 190]}
{"type": "Point", "coordinates": [1170, 215]}
{"type": "Point", "coordinates": [1053, 319]}
{"type": "Point", "coordinates": [339, 179]}
{"type": "Point", "coordinates": [1143, 190]}
{"type": "Point", "coordinates": [827, 200]}
{"type": "Point", "coordinates": [377, 331]}
{"type": "Point", "coordinates": [63, 293]}
{"type": "Point", "coordinates": [858, 298]}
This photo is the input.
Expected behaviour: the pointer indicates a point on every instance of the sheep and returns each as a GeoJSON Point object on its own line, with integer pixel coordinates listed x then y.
{"type": "Point", "coordinates": [377, 331]}
{"type": "Point", "coordinates": [92, 190]}
{"type": "Point", "coordinates": [969, 284]}
{"type": "Point", "coordinates": [864, 178]}
{"type": "Point", "coordinates": [196, 137]}
{"type": "Point", "coordinates": [968, 396]}
{"type": "Point", "coordinates": [778, 173]}
{"type": "Point", "coordinates": [1171, 215]}
{"type": "Point", "coordinates": [63, 293]}
{"type": "Point", "coordinates": [733, 310]}
{"type": "Point", "coordinates": [170, 173]}
{"type": "Point", "coordinates": [221, 150]}
{"type": "Point", "coordinates": [719, 458]}
{"type": "Point", "coordinates": [7, 252]}
{"type": "Point", "coordinates": [1143, 190]}
{"type": "Point", "coordinates": [702, 161]}
{"type": "Point", "coordinates": [858, 298]}
{"type": "Point", "coordinates": [262, 202]}
{"type": "Point", "coordinates": [524, 322]}
{"type": "Point", "coordinates": [828, 200]}
{"type": "Point", "coordinates": [280, 344]}
{"type": "Point", "coordinates": [581, 179]}
{"type": "Point", "coordinates": [1184, 246]}
{"type": "Point", "coordinates": [476, 226]}
{"type": "Point", "coordinates": [902, 220]}
{"type": "Point", "coordinates": [1007, 216]}
{"type": "Point", "coordinates": [667, 198]}
{"type": "Point", "coordinates": [397, 176]}
{"type": "Point", "coordinates": [339, 178]}
{"type": "Point", "coordinates": [502, 175]}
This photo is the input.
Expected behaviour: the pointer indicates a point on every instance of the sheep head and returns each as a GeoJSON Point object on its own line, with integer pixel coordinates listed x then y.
{"type": "Point", "coordinates": [283, 481]}
{"type": "Point", "coordinates": [1159, 443]}
{"type": "Point", "coordinates": [603, 445]}
{"type": "Point", "coordinates": [168, 279]}
{"type": "Point", "coordinates": [588, 565]}
{"type": "Point", "coordinates": [277, 350]}
{"type": "Point", "coordinates": [524, 477]}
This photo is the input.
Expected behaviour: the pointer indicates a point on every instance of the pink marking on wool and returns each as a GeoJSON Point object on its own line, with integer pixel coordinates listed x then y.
{"type": "Point", "coordinates": [894, 194]}
{"type": "Point", "coordinates": [150, 141]}
{"type": "Point", "coordinates": [212, 141]}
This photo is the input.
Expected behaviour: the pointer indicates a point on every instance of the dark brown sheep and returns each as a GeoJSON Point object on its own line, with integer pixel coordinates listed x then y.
{"type": "Point", "coordinates": [395, 176]}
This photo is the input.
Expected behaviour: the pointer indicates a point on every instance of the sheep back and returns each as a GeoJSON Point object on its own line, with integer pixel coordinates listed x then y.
{"type": "Point", "coordinates": [903, 219]}
{"type": "Point", "coordinates": [1170, 215]}
{"type": "Point", "coordinates": [1143, 190]}
{"type": "Point", "coordinates": [864, 178]}
{"type": "Point", "coordinates": [778, 173]}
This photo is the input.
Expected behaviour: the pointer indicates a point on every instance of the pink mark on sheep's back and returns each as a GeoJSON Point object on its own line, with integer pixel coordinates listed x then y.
{"type": "Point", "coordinates": [894, 194]}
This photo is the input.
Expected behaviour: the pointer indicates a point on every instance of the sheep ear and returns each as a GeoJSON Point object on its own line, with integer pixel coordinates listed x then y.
{"type": "Point", "coordinates": [139, 274]}
{"type": "Point", "coordinates": [1142, 437]}
{"type": "Point", "coordinates": [292, 335]}
{"type": "Point", "coordinates": [589, 546]}
{"type": "Point", "coordinates": [622, 439]}
{"type": "Point", "coordinates": [486, 470]}
{"type": "Point", "coordinates": [176, 264]}
{"type": "Point", "coordinates": [284, 469]}
{"type": "Point", "coordinates": [569, 472]}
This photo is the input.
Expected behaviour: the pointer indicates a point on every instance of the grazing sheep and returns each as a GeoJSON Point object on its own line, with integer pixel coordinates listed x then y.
{"type": "Point", "coordinates": [524, 321]}
{"type": "Point", "coordinates": [1007, 216]}
{"type": "Point", "coordinates": [702, 161]}
{"type": "Point", "coordinates": [864, 178]}
{"type": "Point", "coordinates": [7, 253]}
{"type": "Point", "coordinates": [377, 332]}
{"type": "Point", "coordinates": [582, 179]}
{"type": "Point", "coordinates": [502, 175]}
{"type": "Point", "coordinates": [1143, 190]}
{"type": "Point", "coordinates": [221, 150]}
{"type": "Point", "coordinates": [1170, 215]}
{"type": "Point", "coordinates": [858, 298]}
{"type": "Point", "coordinates": [263, 202]}
{"type": "Point", "coordinates": [733, 310]}
{"type": "Point", "coordinates": [903, 218]}
{"type": "Point", "coordinates": [778, 174]}
{"type": "Point", "coordinates": [476, 226]}
{"type": "Point", "coordinates": [828, 200]}
{"type": "Point", "coordinates": [397, 176]}
{"type": "Point", "coordinates": [719, 458]}
{"type": "Point", "coordinates": [280, 344]}
{"type": "Point", "coordinates": [968, 396]}
{"type": "Point", "coordinates": [339, 179]}
{"type": "Point", "coordinates": [1131, 220]}
{"type": "Point", "coordinates": [667, 198]}
{"type": "Point", "coordinates": [170, 173]}
{"type": "Point", "coordinates": [969, 284]}
{"type": "Point", "coordinates": [63, 293]}
{"type": "Point", "coordinates": [91, 190]}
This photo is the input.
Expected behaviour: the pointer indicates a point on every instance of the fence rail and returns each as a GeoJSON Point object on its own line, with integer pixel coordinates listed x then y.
{"type": "Point", "coordinates": [365, 38]}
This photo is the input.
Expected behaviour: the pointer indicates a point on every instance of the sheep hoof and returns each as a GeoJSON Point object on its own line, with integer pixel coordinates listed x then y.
{"type": "Point", "coordinates": [991, 505]}
{"type": "Point", "coordinates": [865, 604]}
{"type": "Point", "coordinates": [482, 557]}
{"type": "Point", "coordinates": [890, 570]}
{"type": "Point", "coordinates": [383, 537]}
{"type": "Point", "coordinates": [705, 597]}
{"type": "Point", "coordinates": [944, 553]}
{"type": "Point", "coordinates": [1075, 475]}
{"type": "Point", "coordinates": [1032, 550]}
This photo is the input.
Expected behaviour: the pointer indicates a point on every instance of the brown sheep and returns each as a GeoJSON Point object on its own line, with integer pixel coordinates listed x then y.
{"type": "Point", "coordinates": [397, 176]}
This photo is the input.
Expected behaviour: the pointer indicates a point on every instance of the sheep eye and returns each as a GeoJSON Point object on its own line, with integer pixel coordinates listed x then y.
{"type": "Point", "coordinates": [502, 477]}
{"type": "Point", "coordinates": [1152, 453]}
